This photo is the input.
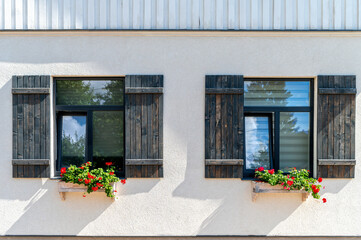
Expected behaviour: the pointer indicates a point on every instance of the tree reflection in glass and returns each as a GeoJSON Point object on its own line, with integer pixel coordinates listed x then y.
{"type": "Point", "coordinates": [73, 140]}
{"type": "Point", "coordinates": [89, 92]}
{"type": "Point", "coordinates": [257, 142]}
{"type": "Point", "coordinates": [108, 145]}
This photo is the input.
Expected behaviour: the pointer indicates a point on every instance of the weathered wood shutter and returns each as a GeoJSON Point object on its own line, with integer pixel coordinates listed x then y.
{"type": "Point", "coordinates": [224, 126]}
{"type": "Point", "coordinates": [144, 126]}
{"type": "Point", "coordinates": [336, 126]}
{"type": "Point", "coordinates": [31, 126]}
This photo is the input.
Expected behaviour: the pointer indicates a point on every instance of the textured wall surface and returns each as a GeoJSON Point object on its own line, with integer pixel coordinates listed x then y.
{"type": "Point", "coordinates": [181, 14]}
{"type": "Point", "coordinates": [183, 203]}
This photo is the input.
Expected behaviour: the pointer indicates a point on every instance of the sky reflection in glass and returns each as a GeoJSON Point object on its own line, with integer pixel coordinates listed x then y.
{"type": "Point", "coordinates": [277, 93]}
{"type": "Point", "coordinates": [257, 142]}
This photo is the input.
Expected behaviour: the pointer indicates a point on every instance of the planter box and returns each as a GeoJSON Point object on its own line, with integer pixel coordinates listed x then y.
{"type": "Point", "coordinates": [64, 187]}
{"type": "Point", "coordinates": [262, 188]}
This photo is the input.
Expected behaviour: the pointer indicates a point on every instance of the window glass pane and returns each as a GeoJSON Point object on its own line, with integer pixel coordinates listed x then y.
{"type": "Point", "coordinates": [108, 143]}
{"type": "Point", "coordinates": [257, 142]}
{"type": "Point", "coordinates": [89, 92]}
{"type": "Point", "coordinates": [73, 140]}
{"type": "Point", "coordinates": [294, 140]}
{"type": "Point", "coordinates": [277, 93]}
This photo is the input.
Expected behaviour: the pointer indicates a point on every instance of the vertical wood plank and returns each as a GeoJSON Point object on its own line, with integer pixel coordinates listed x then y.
{"type": "Point", "coordinates": [15, 171]}
{"type": "Point", "coordinates": [155, 127]}
{"type": "Point", "coordinates": [336, 120]}
{"type": "Point", "coordinates": [20, 169]}
{"type": "Point", "coordinates": [15, 126]}
{"type": "Point", "coordinates": [30, 126]}
{"type": "Point", "coordinates": [144, 128]}
{"type": "Point", "coordinates": [127, 120]}
{"type": "Point", "coordinates": [138, 125]}
{"type": "Point", "coordinates": [319, 122]}
{"type": "Point", "coordinates": [206, 127]}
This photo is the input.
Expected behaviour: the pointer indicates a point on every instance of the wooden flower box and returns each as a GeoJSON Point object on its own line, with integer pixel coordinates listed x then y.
{"type": "Point", "coordinates": [64, 187]}
{"type": "Point", "coordinates": [263, 188]}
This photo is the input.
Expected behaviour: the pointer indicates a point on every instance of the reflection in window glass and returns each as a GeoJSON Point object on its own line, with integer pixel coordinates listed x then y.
{"type": "Point", "coordinates": [294, 140]}
{"type": "Point", "coordinates": [277, 93]}
{"type": "Point", "coordinates": [257, 142]}
{"type": "Point", "coordinates": [73, 140]}
{"type": "Point", "coordinates": [108, 145]}
{"type": "Point", "coordinates": [89, 92]}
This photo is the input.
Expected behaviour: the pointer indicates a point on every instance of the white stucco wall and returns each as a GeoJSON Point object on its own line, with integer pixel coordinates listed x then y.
{"type": "Point", "coordinates": [183, 203]}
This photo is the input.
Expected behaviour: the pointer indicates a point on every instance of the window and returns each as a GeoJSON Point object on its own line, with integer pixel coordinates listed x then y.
{"type": "Point", "coordinates": [278, 124]}
{"type": "Point", "coordinates": [90, 122]}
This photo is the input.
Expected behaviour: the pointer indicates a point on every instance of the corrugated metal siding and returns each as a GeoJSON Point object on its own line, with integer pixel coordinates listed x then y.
{"type": "Point", "coordinates": [181, 14]}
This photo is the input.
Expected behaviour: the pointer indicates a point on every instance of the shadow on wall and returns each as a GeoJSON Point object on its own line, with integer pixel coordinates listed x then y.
{"type": "Point", "coordinates": [43, 207]}
{"type": "Point", "coordinates": [60, 217]}
{"type": "Point", "coordinates": [251, 218]}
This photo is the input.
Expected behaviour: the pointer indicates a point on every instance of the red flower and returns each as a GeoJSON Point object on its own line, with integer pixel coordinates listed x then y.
{"type": "Point", "coordinates": [84, 196]}
{"type": "Point", "coordinates": [293, 178]}
{"type": "Point", "coordinates": [261, 169]}
{"type": "Point", "coordinates": [115, 190]}
{"type": "Point", "coordinates": [282, 183]}
{"type": "Point", "coordinates": [288, 188]}
{"type": "Point", "coordinates": [63, 170]}
{"type": "Point", "coordinates": [295, 168]}
{"type": "Point", "coordinates": [81, 167]}
{"type": "Point", "coordinates": [319, 180]}
{"type": "Point", "coordinates": [288, 176]}
{"type": "Point", "coordinates": [90, 176]}
{"type": "Point", "coordinates": [272, 171]}
{"type": "Point", "coordinates": [285, 187]}
{"type": "Point", "coordinates": [316, 190]}
{"type": "Point", "coordinates": [108, 163]}
{"type": "Point", "coordinates": [111, 173]}
{"type": "Point", "coordinates": [313, 186]}
{"type": "Point", "coordinates": [80, 180]}
{"type": "Point", "coordinates": [290, 183]}
{"type": "Point", "coordinates": [99, 184]}
{"type": "Point", "coordinates": [324, 200]}
{"type": "Point", "coordinates": [100, 178]}
{"type": "Point", "coordinates": [123, 181]}
{"type": "Point", "coordinates": [87, 181]}
{"type": "Point", "coordinates": [94, 188]}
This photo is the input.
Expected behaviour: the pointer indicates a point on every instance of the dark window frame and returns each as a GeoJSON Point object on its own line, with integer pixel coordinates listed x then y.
{"type": "Point", "coordinates": [275, 110]}
{"type": "Point", "coordinates": [84, 110]}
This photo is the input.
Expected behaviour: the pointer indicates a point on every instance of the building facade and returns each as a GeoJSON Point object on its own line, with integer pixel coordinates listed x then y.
{"type": "Point", "coordinates": [186, 71]}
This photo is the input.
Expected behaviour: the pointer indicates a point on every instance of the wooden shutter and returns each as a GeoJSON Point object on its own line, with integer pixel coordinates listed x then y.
{"type": "Point", "coordinates": [336, 126]}
{"type": "Point", "coordinates": [31, 126]}
{"type": "Point", "coordinates": [144, 126]}
{"type": "Point", "coordinates": [224, 126]}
